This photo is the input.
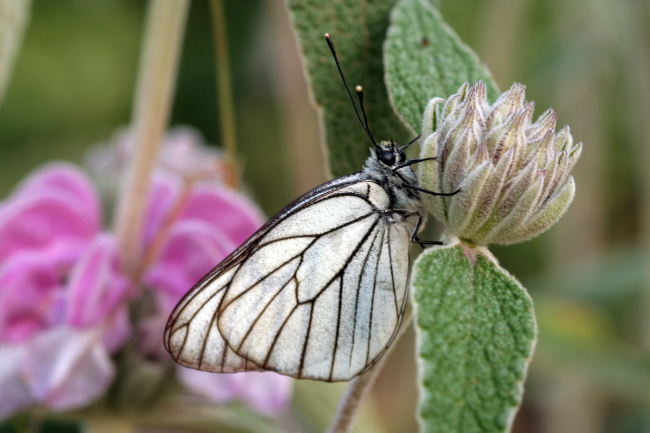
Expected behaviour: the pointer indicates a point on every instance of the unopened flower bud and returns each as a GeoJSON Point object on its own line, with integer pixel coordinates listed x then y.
{"type": "Point", "coordinates": [513, 174]}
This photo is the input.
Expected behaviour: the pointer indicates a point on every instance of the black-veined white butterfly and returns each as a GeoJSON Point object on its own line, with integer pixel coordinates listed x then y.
{"type": "Point", "coordinates": [320, 290]}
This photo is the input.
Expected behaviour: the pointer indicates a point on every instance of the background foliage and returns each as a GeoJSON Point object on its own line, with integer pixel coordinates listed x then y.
{"type": "Point", "coordinates": [588, 59]}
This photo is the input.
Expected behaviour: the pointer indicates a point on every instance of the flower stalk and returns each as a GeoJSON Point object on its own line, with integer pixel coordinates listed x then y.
{"type": "Point", "coordinates": [359, 387]}
{"type": "Point", "coordinates": [152, 106]}
{"type": "Point", "coordinates": [224, 81]}
{"type": "Point", "coordinates": [14, 16]}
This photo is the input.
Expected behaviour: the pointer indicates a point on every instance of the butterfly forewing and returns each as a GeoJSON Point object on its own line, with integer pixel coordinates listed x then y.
{"type": "Point", "coordinates": [317, 293]}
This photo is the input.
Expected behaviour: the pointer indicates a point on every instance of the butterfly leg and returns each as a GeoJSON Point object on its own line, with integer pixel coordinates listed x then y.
{"type": "Point", "coordinates": [417, 188]}
{"type": "Point", "coordinates": [413, 161]}
{"type": "Point", "coordinates": [414, 236]}
{"type": "Point", "coordinates": [410, 142]}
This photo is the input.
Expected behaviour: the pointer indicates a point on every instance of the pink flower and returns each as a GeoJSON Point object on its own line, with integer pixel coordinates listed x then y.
{"type": "Point", "coordinates": [64, 298]}
{"type": "Point", "coordinates": [266, 392]}
{"type": "Point", "coordinates": [55, 211]}
{"type": "Point", "coordinates": [208, 221]}
{"type": "Point", "coordinates": [193, 222]}
{"type": "Point", "coordinates": [183, 152]}
{"type": "Point", "coordinates": [62, 295]}
{"type": "Point", "coordinates": [203, 224]}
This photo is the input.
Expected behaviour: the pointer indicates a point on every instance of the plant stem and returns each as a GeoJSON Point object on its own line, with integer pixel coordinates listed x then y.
{"type": "Point", "coordinates": [14, 15]}
{"type": "Point", "coordinates": [151, 109]}
{"type": "Point", "coordinates": [358, 387]}
{"type": "Point", "coordinates": [224, 81]}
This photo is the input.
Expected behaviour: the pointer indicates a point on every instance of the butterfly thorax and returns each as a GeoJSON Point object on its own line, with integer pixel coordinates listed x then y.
{"type": "Point", "coordinates": [383, 168]}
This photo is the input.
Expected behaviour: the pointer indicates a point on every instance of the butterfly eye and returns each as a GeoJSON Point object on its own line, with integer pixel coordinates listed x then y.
{"type": "Point", "coordinates": [387, 157]}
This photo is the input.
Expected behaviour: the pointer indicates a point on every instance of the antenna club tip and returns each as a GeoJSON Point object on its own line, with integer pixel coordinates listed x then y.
{"type": "Point", "coordinates": [327, 36]}
{"type": "Point", "coordinates": [359, 89]}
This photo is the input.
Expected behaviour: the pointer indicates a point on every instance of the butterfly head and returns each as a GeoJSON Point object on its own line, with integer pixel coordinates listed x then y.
{"type": "Point", "coordinates": [389, 154]}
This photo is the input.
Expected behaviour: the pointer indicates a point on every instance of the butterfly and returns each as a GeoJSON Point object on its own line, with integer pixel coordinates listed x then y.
{"type": "Point", "coordinates": [319, 291]}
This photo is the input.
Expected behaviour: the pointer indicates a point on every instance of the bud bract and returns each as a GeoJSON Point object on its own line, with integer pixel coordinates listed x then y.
{"type": "Point", "coordinates": [512, 173]}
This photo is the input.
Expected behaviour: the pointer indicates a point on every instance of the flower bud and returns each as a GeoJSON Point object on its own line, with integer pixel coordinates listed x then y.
{"type": "Point", "coordinates": [513, 174]}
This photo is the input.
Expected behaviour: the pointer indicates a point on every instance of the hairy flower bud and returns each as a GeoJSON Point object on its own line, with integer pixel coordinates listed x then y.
{"type": "Point", "coordinates": [513, 174]}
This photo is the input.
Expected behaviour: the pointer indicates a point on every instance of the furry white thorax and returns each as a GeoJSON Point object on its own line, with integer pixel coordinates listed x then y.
{"type": "Point", "coordinates": [402, 198]}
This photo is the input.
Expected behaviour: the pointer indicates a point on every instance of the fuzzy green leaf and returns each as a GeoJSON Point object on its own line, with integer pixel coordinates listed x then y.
{"type": "Point", "coordinates": [358, 29]}
{"type": "Point", "coordinates": [425, 58]}
{"type": "Point", "coordinates": [476, 332]}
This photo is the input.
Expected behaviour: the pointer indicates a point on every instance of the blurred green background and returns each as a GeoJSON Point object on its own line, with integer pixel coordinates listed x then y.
{"type": "Point", "coordinates": [72, 86]}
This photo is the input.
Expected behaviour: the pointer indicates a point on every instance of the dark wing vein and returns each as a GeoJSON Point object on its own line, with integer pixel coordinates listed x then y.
{"type": "Point", "coordinates": [338, 326]}
{"type": "Point", "coordinates": [374, 290]}
{"type": "Point", "coordinates": [311, 301]}
{"type": "Point", "coordinates": [341, 273]}
{"type": "Point", "coordinates": [188, 322]}
{"type": "Point", "coordinates": [262, 312]}
{"type": "Point", "coordinates": [277, 335]}
{"type": "Point", "coordinates": [306, 342]}
{"type": "Point", "coordinates": [253, 245]}
{"type": "Point", "coordinates": [392, 275]}
{"type": "Point", "coordinates": [399, 321]}
{"type": "Point", "coordinates": [345, 265]}
{"type": "Point", "coordinates": [356, 305]}
{"type": "Point", "coordinates": [301, 254]}
{"type": "Point", "coordinates": [314, 196]}
{"type": "Point", "coordinates": [269, 274]}
{"type": "Point", "coordinates": [207, 335]}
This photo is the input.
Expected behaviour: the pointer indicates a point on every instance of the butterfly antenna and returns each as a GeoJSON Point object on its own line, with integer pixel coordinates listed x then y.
{"type": "Point", "coordinates": [336, 59]}
{"type": "Point", "coordinates": [359, 90]}
{"type": "Point", "coordinates": [410, 142]}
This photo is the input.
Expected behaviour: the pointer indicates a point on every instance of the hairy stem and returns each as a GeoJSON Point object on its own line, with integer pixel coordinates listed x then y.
{"type": "Point", "coordinates": [358, 387]}
{"type": "Point", "coordinates": [154, 91]}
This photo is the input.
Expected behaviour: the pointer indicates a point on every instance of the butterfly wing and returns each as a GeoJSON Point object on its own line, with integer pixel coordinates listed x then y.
{"type": "Point", "coordinates": [317, 294]}
{"type": "Point", "coordinates": [191, 335]}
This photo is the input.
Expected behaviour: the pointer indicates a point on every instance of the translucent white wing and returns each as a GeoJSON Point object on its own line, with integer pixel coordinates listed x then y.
{"type": "Point", "coordinates": [317, 293]}
{"type": "Point", "coordinates": [192, 336]}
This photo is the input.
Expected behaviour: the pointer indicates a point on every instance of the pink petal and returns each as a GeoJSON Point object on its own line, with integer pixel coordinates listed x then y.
{"type": "Point", "coordinates": [56, 210]}
{"type": "Point", "coordinates": [63, 177]}
{"type": "Point", "coordinates": [30, 291]}
{"type": "Point", "coordinates": [233, 213]}
{"type": "Point", "coordinates": [219, 388]}
{"type": "Point", "coordinates": [191, 250]}
{"type": "Point", "coordinates": [182, 149]}
{"type": "Point", "coordinates": [184, 152]}
{"type": "Point", "coordinates": [267, 392]}
{"type": "Point", "coordinates": [97, 287]}
{"type": "Point", "coordinates": [15, 393]}
{"type": "Point", "coordinates": [68, 368]}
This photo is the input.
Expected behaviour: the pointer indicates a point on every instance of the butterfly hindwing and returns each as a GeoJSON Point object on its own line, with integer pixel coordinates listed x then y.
{"type": "Point", "coordinates": [192, 336]}
{"type": "Point", "coordinates": [317, 293]}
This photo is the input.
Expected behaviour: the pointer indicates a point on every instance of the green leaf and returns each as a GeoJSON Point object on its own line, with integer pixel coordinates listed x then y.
{"type": "Point", "coordinates": [476, 332]}
{"type": "Point", "coordinates": [358, 29]}
{"type": "Point", "coordinates": [425, 58]}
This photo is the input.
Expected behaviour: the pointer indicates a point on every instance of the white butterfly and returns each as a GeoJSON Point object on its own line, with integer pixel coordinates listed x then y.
{"type": "Point", "coordinates": [319, 291]}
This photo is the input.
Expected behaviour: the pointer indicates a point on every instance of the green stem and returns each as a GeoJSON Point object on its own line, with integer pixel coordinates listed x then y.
{"type": "Point", "coordinates": [224, 81]}
{"type": "Point", "coordinates": [14, 15]}
{"type": "Point", "coordinates": [151, 110]}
